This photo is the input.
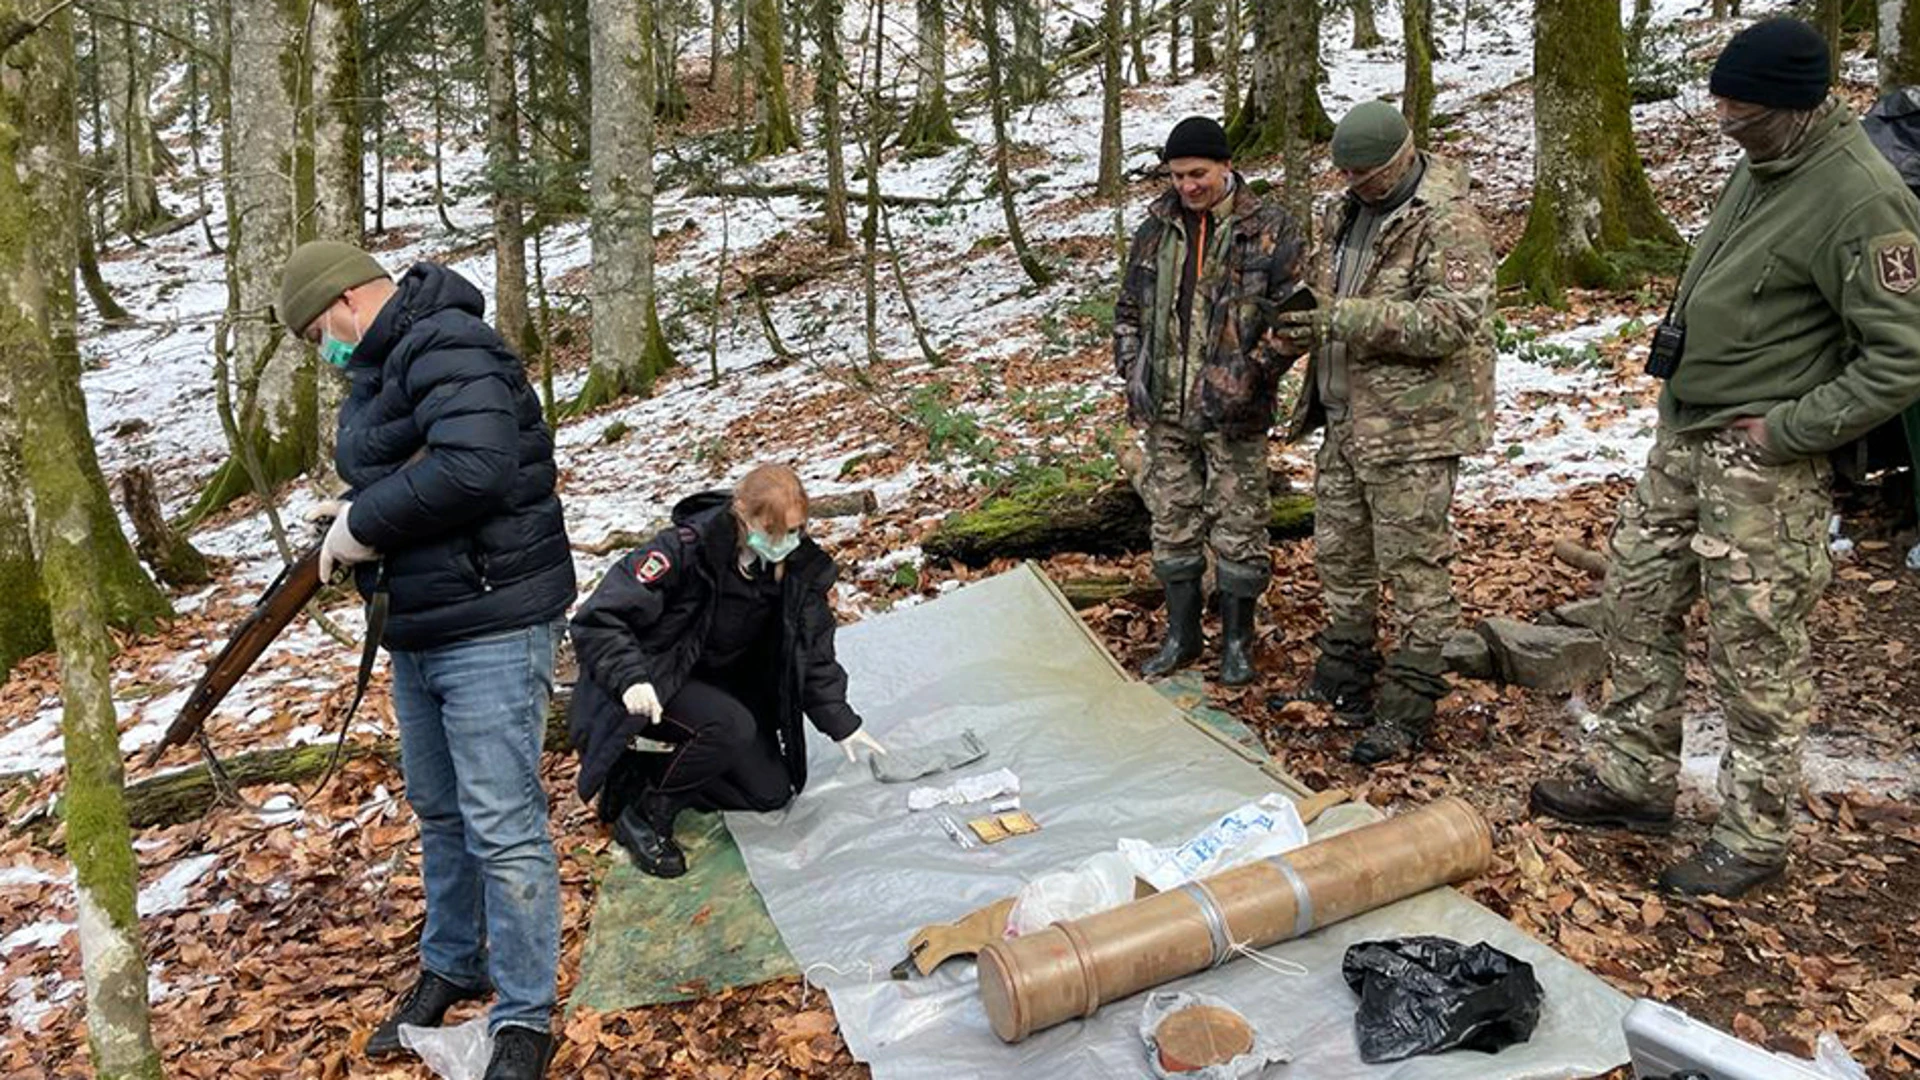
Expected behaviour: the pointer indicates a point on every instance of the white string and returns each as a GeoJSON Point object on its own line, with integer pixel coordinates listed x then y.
{"type": "Point", "coordinates": [1277, 965]}
{"type": "Point", "coordinates": [806, 975]}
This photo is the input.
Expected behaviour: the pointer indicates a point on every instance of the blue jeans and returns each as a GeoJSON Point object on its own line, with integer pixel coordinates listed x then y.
{"type": "Point", "coordinates": [472, 716]}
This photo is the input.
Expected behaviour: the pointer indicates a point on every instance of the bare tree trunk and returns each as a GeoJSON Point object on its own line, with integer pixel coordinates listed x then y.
{"type": "Point", "coordinates": [269, 186]}
{"type": "Point", "coordinates": [128, 89]}
{"type": "Point", "coordinates": [833, 73]}
{"type": "Point", "coordinates": [1110, 185]}
{"type": "Point", "coordinates": [1366, 31]}
{"type": "Point", "coordinates": [1205, 15]}
{"type": "Point", "coordinates": [109, 309]}
{"type": "Point", "coordinates": [870, 226]}
{"type": "Point", "coordinates": [1138, 37]}
{"type": "Point", "coordinates": [1416, 96]}
{"type": "Point", "coordinates": [37, 146]}
{"type": "Point", "coordinates": [503, 164]}
{"type": "Point", "coordinates": [340, 203]}
{"type": "Point", "coordinates": [439, 95]}
{"type": "Point", "coordinates": [1173, 50]}
{"type": "Point", "coordinates": [1231, 33]}
{"type": "Point", "coordinates": [1591, 200]}
{"type": "Point", "coordinates": [1899, 51]}
{"type": "Point", "coordinates": [997, 95]}
{"type": "Point", "coordinates": [775, 132]}
{"type": "Point", "coordinates": [629, 350]}
{"type": "Point", "coordinates": [713, 44]}
{"type": "Point", "coordinates": [929, 126]}
{"type": "Point", "coordinates": [1283, 99]}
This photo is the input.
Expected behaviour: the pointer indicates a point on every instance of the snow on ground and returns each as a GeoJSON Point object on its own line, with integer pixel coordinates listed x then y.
{"type": "Point", "coordinates": [1562, 421]}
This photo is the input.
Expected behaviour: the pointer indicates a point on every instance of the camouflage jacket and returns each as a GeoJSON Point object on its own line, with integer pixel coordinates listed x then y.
{"type": "Point", "coordinates": [1418, 328]}
{"type": "Point", "coordinates": [1230, 387]}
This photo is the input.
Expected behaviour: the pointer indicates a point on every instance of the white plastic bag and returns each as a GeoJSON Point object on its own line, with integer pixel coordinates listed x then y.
{"type": "Point", "coordinates": [1831, 1058]}
{"type": "Point", "coordinates": [453, 1053]}
{"type": "Point", "coordinates": [1102, 882]}
{"type": "Point", "coordinates": [1257, 830]}
{"type": "Point", "coordinates": [1266, 1050]}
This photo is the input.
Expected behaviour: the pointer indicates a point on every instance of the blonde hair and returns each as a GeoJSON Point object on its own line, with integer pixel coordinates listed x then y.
{"type": "Point", "coordinates": [770, 493]}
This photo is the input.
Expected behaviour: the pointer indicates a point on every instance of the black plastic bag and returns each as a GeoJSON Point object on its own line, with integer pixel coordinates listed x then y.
{"type": "Point", "coordinates": [1423, 995]}
{"type": "Point", "coordinates": [1893, 126]}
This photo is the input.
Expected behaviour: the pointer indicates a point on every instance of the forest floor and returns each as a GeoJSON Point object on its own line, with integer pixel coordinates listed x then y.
{"type": "Point", "coordinates": [276, 941]}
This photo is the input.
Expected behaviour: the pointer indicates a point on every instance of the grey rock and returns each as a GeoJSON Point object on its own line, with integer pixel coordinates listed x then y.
{"type": "Point", "coordinates": [1557, 659]}
{"type": "Point", "coordinates": [1585, 614]}
{"type": "Point", "coordinates": [1466, 653]}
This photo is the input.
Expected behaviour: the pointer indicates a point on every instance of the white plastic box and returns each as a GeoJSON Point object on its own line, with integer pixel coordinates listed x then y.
{"type": "Point", "coordinates": [1664, 1041]}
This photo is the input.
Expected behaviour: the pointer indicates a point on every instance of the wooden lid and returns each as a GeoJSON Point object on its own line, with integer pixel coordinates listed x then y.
{"type": "Point", "coordinates": [1200, 1036]}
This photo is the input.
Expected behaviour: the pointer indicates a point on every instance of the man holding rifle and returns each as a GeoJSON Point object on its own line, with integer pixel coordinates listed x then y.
{"type": "Point", "coordinates": [1796, 329]}
{"type": "Point", "coordinates": [452, 515]}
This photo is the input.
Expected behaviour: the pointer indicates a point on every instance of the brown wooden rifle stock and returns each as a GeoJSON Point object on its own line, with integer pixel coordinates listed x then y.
{"type": "Point", "coordinates": [283, 600]}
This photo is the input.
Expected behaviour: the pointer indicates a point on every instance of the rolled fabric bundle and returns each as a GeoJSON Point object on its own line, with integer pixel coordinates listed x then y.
{"type": "Point", "coordinates": [1071, 968]}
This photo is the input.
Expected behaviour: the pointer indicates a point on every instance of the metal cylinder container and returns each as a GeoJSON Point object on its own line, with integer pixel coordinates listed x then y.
{"type": "Point", "coordinates": [1071, 968]}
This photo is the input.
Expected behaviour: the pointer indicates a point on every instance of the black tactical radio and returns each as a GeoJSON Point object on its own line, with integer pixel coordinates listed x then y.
{"type": "Point", "coordinates": [1669, 342]}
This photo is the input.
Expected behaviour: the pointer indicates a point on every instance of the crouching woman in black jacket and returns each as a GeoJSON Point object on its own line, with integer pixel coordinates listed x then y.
{"type": "Point", "coordinates": [716, 636]}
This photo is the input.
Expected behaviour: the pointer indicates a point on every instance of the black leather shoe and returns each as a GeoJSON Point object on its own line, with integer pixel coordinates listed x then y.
{"type": "Point", "coordinates": [1716, 870]}
{"type": "Point", "coordinates": [1583, 800]}
{"type": "Point", "coordinates": [1183, 643]}
{"type": "Point", "coordinates": [519, 1053]}
{"type": "Point", "coordinates": [425, 1005]}
{"type": "Point", "coordinates": [646, 831]}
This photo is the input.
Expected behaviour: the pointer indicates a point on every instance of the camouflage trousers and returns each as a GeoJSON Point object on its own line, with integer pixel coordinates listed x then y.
{"type": "Point", "coordinates": [1205, 488]}
{"type": "Point", "coordinates": [1391, 522]}
{"type": "Point", "coordinates": [1709, 517]}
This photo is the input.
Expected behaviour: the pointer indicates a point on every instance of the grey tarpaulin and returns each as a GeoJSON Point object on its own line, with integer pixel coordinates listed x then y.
{"type": "Point", "coordinates": [848, 874]}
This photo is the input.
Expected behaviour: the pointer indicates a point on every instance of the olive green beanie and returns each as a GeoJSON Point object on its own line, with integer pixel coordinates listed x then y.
{"type": "Point", "coordinates": [1368, 137]}
{"type": "Point", "coordinates": [317, 273]}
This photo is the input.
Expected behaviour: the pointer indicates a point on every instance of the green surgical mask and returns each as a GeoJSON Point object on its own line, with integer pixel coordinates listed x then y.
{"type": "Point", "coordinates": [334, 351]}
{"type": "Point", "coordinates": [770, 549]}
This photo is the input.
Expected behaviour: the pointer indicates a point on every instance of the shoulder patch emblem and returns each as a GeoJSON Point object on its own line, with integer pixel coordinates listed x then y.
{"type": "Point", "coordinates": [1897, 267]}
{"type": "Point", "coordinates": [1458, 272]}
{"type": "Point", "coordinates": [653, 567]}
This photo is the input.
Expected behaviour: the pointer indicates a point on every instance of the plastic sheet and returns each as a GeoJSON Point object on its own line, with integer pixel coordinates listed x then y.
{"type": "Point", "coordinates": [459, 1052]}
{"type": "Point", "coordinates": [847, 878]}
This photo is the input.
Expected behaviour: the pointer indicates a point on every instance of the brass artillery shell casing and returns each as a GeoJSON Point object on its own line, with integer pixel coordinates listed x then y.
{"type": "Point", "coordinates": [1071, 968]}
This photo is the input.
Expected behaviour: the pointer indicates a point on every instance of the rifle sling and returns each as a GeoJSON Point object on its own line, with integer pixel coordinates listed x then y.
{"type": "Point", "coordinates": [223, 784]}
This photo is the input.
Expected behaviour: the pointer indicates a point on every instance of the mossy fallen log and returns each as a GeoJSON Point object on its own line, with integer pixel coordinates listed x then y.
{"type": "Point", "coordinates": [186, 794]}
{"type": "Point", "coordinates": [1078, 516]}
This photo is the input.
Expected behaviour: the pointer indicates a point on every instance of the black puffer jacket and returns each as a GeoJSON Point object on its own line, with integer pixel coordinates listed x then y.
{"type": "Point", "coordinates": [471, 532]}
{"type": "Point", "coordinates": [648, 621]}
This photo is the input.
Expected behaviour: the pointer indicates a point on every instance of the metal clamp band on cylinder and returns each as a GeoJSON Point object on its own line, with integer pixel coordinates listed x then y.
{"type": "Point", "coordinates": [1302, 898]}
{"type": "Point", "coordinates": [1216, 920]}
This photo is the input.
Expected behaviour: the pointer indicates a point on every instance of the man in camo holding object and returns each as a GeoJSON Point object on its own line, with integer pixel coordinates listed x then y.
{"type": "Point", "coordinates": [1400, 373]}
{"type": "Point", "coordinates": [1801, 319]}
{"type": "Point", "coordinates": [1204, 275]}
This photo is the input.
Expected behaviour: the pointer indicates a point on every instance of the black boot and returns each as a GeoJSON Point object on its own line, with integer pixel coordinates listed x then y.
{"type": "Point", "coordinates": [1583, 799]}
{"type": "Point", "coordinates": [1184, 601]}
{"type": "Point", "coordinates": [1414, 684]}
{"type": "Point", "coordinates": [645, 829]}
{"type": "Point", "coordinates": [1241, 587]}
{"type": "Point", "coordinates": [425, 1005]}
{"type": "Point", "coordinates": [1716, 870]}
{"type": "Point", "coordinates": [1343, 676]}
{"type": "Point", "coordinates": [519, 1053]}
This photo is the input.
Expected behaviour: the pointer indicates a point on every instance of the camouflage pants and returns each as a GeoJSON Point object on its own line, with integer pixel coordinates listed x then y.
{"type": "Point", "coordinates": [1708, 516]}
{"type": "Point", "coordinates": [1386, 522]}
{"type": "Point", "coordinates": [1205, 487]}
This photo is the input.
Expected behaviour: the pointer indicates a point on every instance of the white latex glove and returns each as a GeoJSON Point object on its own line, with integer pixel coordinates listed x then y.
{"type": "Point", "coordinates": [858, 739]}
{"type": "Point", "coordinates": [339, 548]}
{"type": "Point", "coordinates": [640, 700]}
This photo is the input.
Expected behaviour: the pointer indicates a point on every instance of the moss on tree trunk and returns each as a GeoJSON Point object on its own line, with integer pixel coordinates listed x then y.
{"type": "Point", "coordinates": [1078, 516]}
{"type": "Point", "coordinates": [37, 147]}
{"type": "Point", "coordinates": [1594, 221]}
{"type": "Point", "coordinates": [1283, 97]}
{"type": "Point", "coordinates": [1416, 89]}
{"type": "Point", "coordinates": [775, 133]}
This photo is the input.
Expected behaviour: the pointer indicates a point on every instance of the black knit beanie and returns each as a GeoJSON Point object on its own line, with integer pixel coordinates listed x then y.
{"type": "Point", "coordinates": [1197, 136]}
{"type": "Point", "coordinates": [1780, 63]}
